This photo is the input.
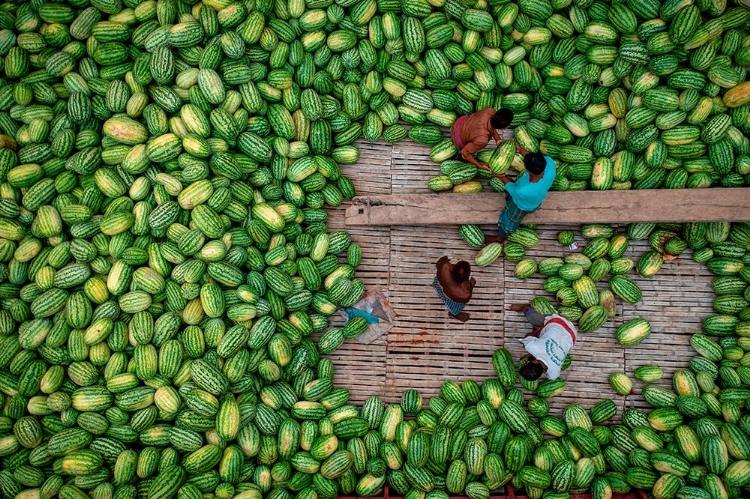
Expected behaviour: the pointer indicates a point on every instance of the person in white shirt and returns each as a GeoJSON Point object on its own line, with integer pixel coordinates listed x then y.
{"type": "Point", "coordinates": [548, 343]}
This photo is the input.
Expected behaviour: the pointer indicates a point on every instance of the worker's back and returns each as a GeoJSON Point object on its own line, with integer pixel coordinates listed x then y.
{"type": "Point", "coordinates": [554, 342]}
{"type": "Point", "coordinates": [474, 128]}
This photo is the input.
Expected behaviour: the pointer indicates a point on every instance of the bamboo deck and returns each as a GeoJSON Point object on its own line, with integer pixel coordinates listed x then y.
{"type": "Point", "coordinates": [426, 348]}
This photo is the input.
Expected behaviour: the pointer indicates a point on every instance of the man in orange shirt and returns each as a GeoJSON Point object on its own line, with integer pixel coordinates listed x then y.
{"type": "Point", "coordinates": [472, 133]}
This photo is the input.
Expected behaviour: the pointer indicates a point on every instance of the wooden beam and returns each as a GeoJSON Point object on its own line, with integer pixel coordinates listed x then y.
{"type": "Point", "coordinates": [663, 205]}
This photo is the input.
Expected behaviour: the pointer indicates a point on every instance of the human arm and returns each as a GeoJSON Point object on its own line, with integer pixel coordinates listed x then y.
{"type": "Point", "coordinates": [505, 179]}
{"type": "Point", "coordinates": [475, 142]}
{"type": "Point", "coordinates": [468, 286]}
{"type": "Point", "coordinates": [444, 260]}
{"type": "Point", "coordinates": [520, 148]}
{"type": "Point", "coordinates": [496, 136]}
{"type": "Point", "coordinates": [468, 153]}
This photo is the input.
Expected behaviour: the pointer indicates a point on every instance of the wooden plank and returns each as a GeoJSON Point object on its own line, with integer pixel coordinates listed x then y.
{"type": "Point", "coordinates": [674, 205]}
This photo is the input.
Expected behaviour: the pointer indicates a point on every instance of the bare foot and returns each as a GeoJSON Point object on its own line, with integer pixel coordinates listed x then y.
{"type": "Point", "coordinates": [463, 316]}
{"type": "Point", "coordinates": [494, 239]}
{"type": "Point", "coordinates": [518, 307]}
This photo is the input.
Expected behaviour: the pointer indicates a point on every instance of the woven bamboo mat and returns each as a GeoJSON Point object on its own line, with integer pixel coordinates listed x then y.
{"type": "Point", "coordinates": [425, 347]}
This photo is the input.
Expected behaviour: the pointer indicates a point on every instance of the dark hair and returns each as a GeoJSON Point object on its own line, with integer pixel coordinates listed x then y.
{"type": "Point", "coordinates": [501, 119]}
{"type": "Point", "coordinates": [532, 370]}
{"type": "Point", "coordinates": [461, 271]}
{"type": "Point", "coordinates": [534, 163]}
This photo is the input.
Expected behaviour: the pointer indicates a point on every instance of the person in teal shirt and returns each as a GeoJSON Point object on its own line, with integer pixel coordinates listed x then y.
{"type": "Point", "coordinates": [525, 194]}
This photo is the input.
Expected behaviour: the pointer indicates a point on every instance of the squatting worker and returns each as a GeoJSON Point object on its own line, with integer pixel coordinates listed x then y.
{"type": "Point", "coordinates": [454, 285]}
{"type": "Point", "coordinates": [548, 343]}
{"type": "Point", "coordinates": [525, 194]}
{"type": "Point", "coordinates": [471, 133]}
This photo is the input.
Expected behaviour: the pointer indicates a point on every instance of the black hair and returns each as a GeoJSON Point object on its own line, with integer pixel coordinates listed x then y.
{"type": "Point", "coordinates": [501, 119]}
{"type": "Point", "coordinates": [534, 163]}
{"type": "Point", "coordinates": [461, 271]}
{"type": "Point", "coordinates": [532, 370]}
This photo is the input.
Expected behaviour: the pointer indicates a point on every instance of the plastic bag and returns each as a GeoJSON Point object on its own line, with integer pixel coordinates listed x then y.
{"type": "Point", "coordinates": [374, 307]}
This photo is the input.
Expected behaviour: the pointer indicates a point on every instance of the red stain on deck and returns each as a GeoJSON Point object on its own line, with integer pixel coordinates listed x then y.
{"type": "Point", "coordinates": [413, 341]}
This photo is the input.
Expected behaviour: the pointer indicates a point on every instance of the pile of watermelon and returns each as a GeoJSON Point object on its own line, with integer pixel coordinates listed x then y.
{"type": "Point", "coordinates": [634, 94]}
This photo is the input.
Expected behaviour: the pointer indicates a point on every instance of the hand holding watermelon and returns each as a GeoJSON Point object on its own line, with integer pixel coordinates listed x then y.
{"type": "Point", "coordinates": [519, 148]}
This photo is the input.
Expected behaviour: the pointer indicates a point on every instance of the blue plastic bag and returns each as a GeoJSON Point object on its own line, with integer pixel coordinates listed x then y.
{"type": "Point", "coordinates": [352, 312]}
{"type": "Point", "coordinates": [376, 310]}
